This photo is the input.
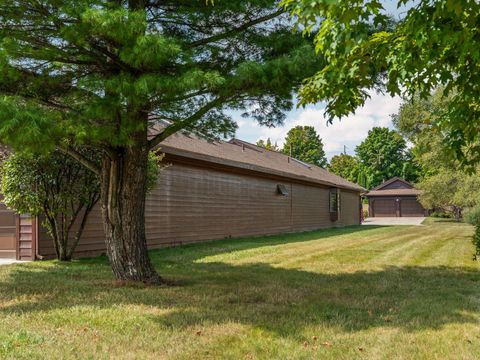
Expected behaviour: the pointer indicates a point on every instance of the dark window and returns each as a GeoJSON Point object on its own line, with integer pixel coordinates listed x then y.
{"type": "Point", "coordinates": [282, 190]}
{"type": "Point", "coordinates": [334, 204]}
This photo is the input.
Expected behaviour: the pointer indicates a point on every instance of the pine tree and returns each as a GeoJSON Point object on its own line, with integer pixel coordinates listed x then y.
{"type": "Point", "coordinates": [99, 73]}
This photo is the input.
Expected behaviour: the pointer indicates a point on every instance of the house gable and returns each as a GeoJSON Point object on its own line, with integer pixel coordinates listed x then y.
{"type": "Point", "coordinates": [394, 183]}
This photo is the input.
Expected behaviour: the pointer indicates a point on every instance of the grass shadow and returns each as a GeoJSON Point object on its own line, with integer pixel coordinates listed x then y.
{"type": "Point", "coordinates": [276, 299]}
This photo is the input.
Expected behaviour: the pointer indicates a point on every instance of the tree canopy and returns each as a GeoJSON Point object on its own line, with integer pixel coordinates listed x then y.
{"type": "Point", "coordinates": [303, 143]}
{"type": "Point", "coordinates": [450, 190]}
{"type": "Point", "coordinates": [267, 145]}
{"type": "Point", "coordinates": [346, 166]}
{"type": "Point", "coordinates": [436, 43]}
{"type": "Point", "coordinates": [445, 184]}
{"type": "Point", "coordinates": [119, 77]}
{"type": "Point", "coordinates": [417, 121]}
{"type": "Point", "coordinates": [383, 155]}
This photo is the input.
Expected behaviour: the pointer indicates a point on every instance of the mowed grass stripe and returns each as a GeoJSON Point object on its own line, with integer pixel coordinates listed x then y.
{"type": "Point", "coordinates": [393, 292]}
{"type": "Point", "coordinates": [427, 254]}
{"type": "Point", "coordinates": [355, 255]}
{"type": "Point", "coordinates": [292, 255]}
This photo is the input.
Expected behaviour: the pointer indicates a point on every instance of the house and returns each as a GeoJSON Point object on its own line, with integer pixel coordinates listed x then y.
{"type": "Point", "coordinates": [395, 198]}
{"type": "Point", "coordinates": [212, 190]}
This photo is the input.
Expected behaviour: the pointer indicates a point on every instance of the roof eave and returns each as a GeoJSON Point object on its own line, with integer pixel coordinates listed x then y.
{"type": "Point", "coordinates": [246, 166]}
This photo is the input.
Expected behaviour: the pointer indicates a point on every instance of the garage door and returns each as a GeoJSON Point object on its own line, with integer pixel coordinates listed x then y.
{"type": "Point", "coordinates": [384, 208]}
{"type": "Point", "coordinates": [8, 230]}
{"type": "Point", "coordinates": [411, 207]}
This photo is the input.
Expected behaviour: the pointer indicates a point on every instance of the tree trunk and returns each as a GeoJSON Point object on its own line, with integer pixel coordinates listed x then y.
{"type": "Point", "coordinates": [123, 181]}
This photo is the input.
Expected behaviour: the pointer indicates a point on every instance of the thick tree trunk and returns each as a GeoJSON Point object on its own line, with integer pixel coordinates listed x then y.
{"type": "Point", "coordinates": [123, 181]}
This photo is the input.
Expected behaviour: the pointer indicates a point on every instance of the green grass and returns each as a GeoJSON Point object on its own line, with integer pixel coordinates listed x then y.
{"type": "Point", "coordinates": [352, 293]}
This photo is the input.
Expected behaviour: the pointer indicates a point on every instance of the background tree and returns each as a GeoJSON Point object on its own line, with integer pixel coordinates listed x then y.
{"type": "Point", "coordinates": [346, 166]}
{"type": "Point", "coordinates": [382, 155]}
{"type": "Point", "coordinates": [101, 73]}
{"type": "Point", "coordinates": [55, 186]}
{"type": "Point", "coordinates": [267, 144]}
{"type": "Point", "coordinates": [450, 190]}
{"type": "Point", "coordinates": [417, 121]}
{"type": "Point", "coordinates": [445, 184]}
{"type": "Point", "coordinates": [435, 43]}
{"type": "Point", "coordinates": [303, 143]}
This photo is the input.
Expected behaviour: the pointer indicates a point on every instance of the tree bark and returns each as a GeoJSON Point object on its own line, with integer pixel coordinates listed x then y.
{"type": "Point", "coordinates": [123, 191]}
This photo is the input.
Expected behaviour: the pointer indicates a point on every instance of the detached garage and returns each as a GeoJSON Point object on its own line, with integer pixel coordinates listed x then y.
{"type": "Point", "coordinates": [395, 198]}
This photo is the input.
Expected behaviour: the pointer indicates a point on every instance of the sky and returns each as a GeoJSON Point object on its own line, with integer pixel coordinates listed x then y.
{"type": "Point", "coordinates": [348, 132]}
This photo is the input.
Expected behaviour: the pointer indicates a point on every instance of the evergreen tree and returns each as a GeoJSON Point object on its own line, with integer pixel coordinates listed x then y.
{"type": "Point", "coordinates": [303, 143]}
{"type": "Point", "coordinates": [100, 73]}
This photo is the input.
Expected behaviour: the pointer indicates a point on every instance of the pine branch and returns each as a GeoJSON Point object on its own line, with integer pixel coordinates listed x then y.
{"type": "Point", "coordinates": [179, 125]}
{"type": "Point", "coordinates": [235, 30]}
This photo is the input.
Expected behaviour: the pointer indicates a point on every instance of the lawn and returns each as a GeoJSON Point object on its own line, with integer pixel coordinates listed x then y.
{"type": "Point", "coordinates": [352, 293]}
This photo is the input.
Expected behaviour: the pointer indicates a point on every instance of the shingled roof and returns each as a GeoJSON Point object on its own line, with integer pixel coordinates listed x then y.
{"type": "Point", "coordinates": [395, 192]}
{"type": "Point", "coordinates": [406, 188]}
{"type": "Point", "coordinates": [241, 154]}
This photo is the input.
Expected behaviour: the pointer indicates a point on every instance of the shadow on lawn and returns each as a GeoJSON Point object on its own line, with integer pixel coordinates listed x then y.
{"type": "Point", "coordinates": [280, 300]}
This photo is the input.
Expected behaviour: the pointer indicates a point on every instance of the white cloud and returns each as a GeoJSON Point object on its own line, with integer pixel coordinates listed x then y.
{"type": "Point", "coordinates": [350, 131]}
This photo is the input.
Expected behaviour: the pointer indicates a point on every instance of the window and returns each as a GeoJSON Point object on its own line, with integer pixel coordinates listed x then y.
{"type": "Point", "coordinates": [282, 190]}
{"type": "Point", "coordinates": [334, 203]}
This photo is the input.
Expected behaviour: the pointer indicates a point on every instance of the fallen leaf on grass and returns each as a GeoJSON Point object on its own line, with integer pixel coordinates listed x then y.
{"type": "Point", "coordinates": [314, 338]}
{"type": "Point", "coordinates": [326, 343]}
{"type": "Point", "coordinates": [360, 349]}
{"type": "Point", "coordinates": [199, 332]}
{"type": "Point", "coordinates": [305, 344]}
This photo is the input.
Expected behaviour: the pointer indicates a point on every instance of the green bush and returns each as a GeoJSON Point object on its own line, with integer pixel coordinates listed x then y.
{"type": "Point", "coordinates": [441, 215]}
{"type": "Point", "coordinates": [473, 217]}
{"type": "Point", "coordinates": [365, 213]}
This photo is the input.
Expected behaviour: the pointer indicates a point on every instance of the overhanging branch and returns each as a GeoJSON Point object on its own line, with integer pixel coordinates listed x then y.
{"type": "Point", "coordinates": [237, 29]}
{"type": "Point", "coordinates": [81, 159]}
{"type": "Point", "coordinates": [179, 125]}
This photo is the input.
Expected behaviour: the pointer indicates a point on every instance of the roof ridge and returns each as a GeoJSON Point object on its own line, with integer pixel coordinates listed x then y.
{"type": "Point", "coordinates": [389, 181]}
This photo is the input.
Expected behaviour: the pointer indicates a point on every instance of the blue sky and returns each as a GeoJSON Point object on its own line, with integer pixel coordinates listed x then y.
{"type": "Point", "coordinates": [349, 132]}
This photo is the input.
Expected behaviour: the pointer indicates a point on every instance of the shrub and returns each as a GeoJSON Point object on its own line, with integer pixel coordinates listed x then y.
{"type": "Point", "coordinates": [441, 215]}
{"type": "Point", "coordinates": [365, 213]}
{"type": "Point", "coordinates": [55, 186]}
{"type": "Point", "coordinates": [473, 217]}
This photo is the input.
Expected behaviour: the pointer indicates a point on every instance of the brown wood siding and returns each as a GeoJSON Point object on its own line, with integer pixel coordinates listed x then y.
{"type": "Point", "coordinates": [197, 203]}
{"type": "Point", "coordinates": [350, 208]}
{"type": "Point", "coordinates": [8, 233]}
{"type": "Point", "coordinates": [194, 204]}
{"type": "Point", "coordinates": [92, 242]}
{"type": "Point", "coordinates": [397, 185]}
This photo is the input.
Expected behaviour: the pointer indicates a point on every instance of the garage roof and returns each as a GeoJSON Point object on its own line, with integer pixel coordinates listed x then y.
{"type": "Point", "coordinates": [394, 187]}
{"type": "Point", "coordinates": [395, 192]}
